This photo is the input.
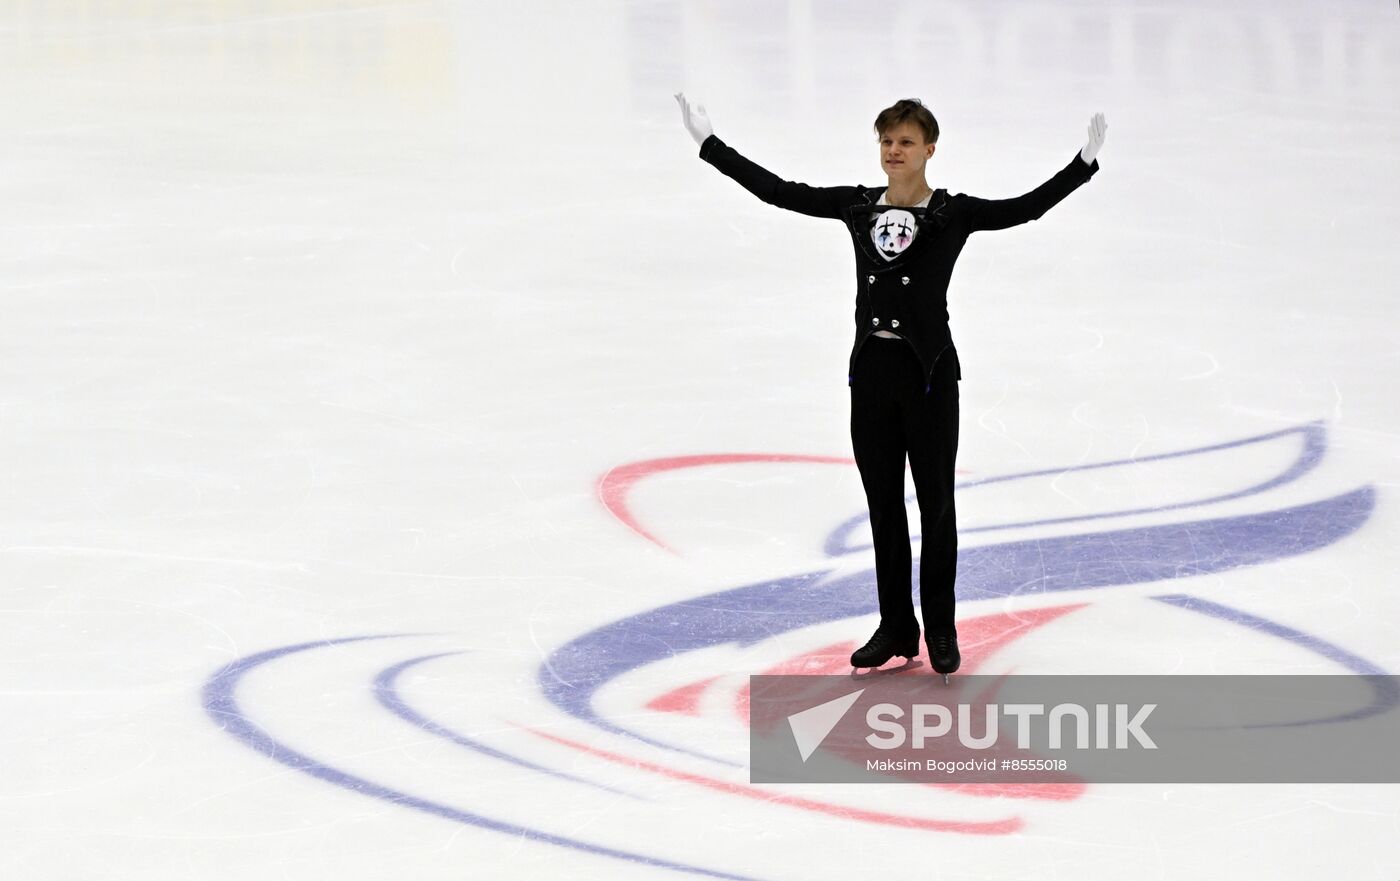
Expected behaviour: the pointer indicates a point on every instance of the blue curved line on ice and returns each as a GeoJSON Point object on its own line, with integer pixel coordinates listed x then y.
{"type": "Point", "coordinates": [1386, 696]}
{"type": "Point", "coordinates": [386, 691]}
{"type": "Point", "coordinates": [219, 698]}
{"type": "Point", "coordinates": [577, 670]}
{"type": "Point", "coordinates": [1314, 436]}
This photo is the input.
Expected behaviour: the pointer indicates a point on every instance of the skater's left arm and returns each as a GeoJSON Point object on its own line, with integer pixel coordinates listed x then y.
{"type": "Point", "coordinates": [1003, 213]}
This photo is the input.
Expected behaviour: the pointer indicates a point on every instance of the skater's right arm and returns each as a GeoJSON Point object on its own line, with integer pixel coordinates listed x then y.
{"type": "Point", "coordinates": [799, 197]}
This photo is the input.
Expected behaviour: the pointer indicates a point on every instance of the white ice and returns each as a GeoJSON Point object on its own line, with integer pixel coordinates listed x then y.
{"type": "Point", "coordinates": [324, 319]}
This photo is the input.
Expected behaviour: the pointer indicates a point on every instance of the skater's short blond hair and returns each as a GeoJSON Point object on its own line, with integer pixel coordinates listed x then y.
{"type": "Point", "coordinates": [908, 110]}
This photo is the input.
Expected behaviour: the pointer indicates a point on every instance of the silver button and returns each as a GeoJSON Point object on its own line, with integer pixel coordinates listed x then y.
{"type": "Point", "coordinates": [871, 279]}
{"type": "Point", "coordinates": [875, 321]}
{"type": "Point", "coordinates": [905, 279]}
{"type": "Point", "coordinates": [894, 323]}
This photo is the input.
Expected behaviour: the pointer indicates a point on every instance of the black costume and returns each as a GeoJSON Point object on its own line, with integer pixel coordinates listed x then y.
{"type": "Point", "coordinates": [904, 396]}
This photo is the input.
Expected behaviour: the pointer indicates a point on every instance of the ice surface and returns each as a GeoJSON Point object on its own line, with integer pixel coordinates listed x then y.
{"type": "Point", "coordinates": [424, 321]}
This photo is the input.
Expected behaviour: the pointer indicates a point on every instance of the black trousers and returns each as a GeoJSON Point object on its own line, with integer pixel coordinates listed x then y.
{"type": "Point", "coordinates": [892, 416]}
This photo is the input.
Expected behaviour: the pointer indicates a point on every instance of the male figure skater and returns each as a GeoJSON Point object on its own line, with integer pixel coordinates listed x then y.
{"type": "Point", "coordinates": [904, 370]}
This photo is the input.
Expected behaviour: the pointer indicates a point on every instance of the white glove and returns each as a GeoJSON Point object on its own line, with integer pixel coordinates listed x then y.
{"type": "Point", "coordinates": [695, 120]}
{"type": "Point", "coordinates": [1097, 128]}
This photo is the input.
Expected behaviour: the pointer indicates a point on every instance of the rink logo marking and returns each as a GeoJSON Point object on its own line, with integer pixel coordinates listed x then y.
{"type": "Point", "coordinates": [574, 673]}
{"type": "Point", "coordinates": [1119, 557]}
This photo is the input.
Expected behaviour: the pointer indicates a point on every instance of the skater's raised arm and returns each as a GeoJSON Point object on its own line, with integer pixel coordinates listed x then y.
{"type": "Point", "coordinates": [799, 197]}
{"type": "Point", "coordinates": [1003, 213]}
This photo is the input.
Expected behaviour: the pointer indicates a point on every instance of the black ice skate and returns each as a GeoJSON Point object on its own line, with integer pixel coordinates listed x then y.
{"type": "Point", "coordinates": [883, 646]}
{"type": "Point", "coordinates": [943, 652]}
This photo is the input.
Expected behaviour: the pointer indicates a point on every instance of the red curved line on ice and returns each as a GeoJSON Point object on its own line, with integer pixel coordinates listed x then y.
{"type": "Point", "coordinates": [988, 827]}
{"type": "Point", "coordinates": [614, 485]}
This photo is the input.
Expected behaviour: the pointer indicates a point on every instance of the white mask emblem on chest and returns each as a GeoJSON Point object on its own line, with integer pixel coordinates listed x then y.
{"type": "Point", "coordinates": [893, 231]}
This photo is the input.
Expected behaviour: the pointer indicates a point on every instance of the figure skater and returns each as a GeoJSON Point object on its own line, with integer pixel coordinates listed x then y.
{"type": "Point", "coordinates": [903, 371]}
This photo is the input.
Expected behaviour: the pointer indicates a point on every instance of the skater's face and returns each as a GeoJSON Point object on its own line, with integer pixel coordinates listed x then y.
{"type": "Point", "coordinates": [903, 150]}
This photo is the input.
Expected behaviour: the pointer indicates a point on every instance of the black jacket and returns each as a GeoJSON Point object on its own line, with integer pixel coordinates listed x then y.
{"type": "Point", "coordinates": [909, 294]}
